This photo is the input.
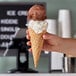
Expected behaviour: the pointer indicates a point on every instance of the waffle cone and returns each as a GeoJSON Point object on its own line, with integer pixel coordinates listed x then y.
{"type": "Point", "coordinates": [36, 45]}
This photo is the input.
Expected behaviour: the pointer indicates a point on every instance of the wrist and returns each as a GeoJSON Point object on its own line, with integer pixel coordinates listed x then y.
{"type": "Point", "coordinates": [68, 47]}
{"type": "Point", "coordinates": [63, 46]}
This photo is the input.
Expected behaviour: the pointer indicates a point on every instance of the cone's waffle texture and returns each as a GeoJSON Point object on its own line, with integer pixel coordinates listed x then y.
{"type": "Point", "coordinates": [36, 45]}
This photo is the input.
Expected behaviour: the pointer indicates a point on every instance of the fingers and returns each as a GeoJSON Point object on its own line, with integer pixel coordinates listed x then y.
{"type": "Point", "coordinates": [27, 35]}
{"type": "Point", "coordinates": [27, 32]}
{"type": "Point", "coordinates": [48, 36]}
{"type": "Point", "coordinates": [29, 43]}
{"type": "Point", "coordinates": [30, 50]}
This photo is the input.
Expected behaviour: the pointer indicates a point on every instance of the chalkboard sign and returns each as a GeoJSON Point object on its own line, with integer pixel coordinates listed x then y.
{"type": "Point", "coordinates": [13, 16]}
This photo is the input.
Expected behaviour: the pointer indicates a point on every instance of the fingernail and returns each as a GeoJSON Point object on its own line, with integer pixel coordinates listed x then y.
{"type": "Point", "coordinates": [30, 50]}
{"type": "Point", "coordinates": [44, 36]}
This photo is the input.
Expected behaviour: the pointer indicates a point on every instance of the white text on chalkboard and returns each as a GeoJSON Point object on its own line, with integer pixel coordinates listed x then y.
{"type": "Point", "coordinates": [18, 13]}
{"type": "Point", "coordinates": [9, 21]}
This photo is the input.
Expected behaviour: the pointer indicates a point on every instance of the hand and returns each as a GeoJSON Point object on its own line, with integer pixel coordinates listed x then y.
{"type": "Point", "coordinates": [51, 42]}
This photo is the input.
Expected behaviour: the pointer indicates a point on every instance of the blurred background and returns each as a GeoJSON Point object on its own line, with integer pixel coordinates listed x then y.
{"type": "Point", "coordinates": [9, 61]}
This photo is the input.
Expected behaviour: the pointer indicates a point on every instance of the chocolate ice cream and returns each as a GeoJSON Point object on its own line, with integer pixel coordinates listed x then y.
{"type": "Point", "coordinates": [37, 12]}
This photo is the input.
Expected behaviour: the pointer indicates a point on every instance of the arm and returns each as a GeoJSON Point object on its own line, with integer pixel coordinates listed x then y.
{"type": "Point", "coordinates": [58, 44]}
{"type": "Point", "coordinates": [69, 45]}
{"type": "Point", "coordinates": [54, 43]}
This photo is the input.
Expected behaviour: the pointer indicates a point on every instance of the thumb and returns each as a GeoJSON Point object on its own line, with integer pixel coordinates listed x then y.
{"type": "Point", "coordinates": [48, 36]}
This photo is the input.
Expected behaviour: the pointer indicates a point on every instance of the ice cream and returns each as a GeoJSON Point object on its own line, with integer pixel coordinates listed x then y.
{"type": "Point", "coordinates": [37, 12]}
{"type": "Point", "coordinates": [37, 26]}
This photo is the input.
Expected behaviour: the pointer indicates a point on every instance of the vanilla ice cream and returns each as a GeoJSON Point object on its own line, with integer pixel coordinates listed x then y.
{"type": "Point", "coordinates": [37, 26]}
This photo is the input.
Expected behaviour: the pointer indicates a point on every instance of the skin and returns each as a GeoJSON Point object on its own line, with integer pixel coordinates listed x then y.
{"type": "Point", "coordinates": [54, 43]}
